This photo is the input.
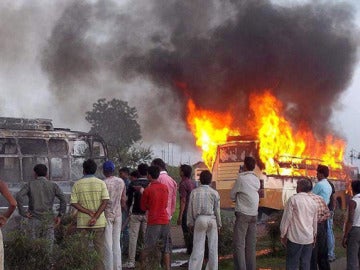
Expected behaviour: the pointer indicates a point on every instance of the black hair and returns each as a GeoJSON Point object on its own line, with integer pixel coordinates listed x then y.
{"type": "Point", "coordinates": [249, 163]}
{"type": "Point", "coordinates": [40, 170]}
{"type": "Point", "coordinates": [142, 168]}
{"type": "Point", "coordinates": [186, 170]}
{"type": "Point", "coordinates": [159, 162]}
{"type": "Point", "coordinates": [324, 170]}
{"type": "Point", "coordinates": [355, 186]}
{"type": "Point", "coordinates": [154, 172]}
{"type": "Point", "coordinates": [205, 177]}
{"type": "Point", "coordinates": [89, 166]}
{"type": "Point", "coordinates": [125, 170]}
{"type": "Point", "coordinates": [135, 174]}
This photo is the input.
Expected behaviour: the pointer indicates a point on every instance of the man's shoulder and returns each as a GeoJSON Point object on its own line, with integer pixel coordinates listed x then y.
{"type": "Point", "coordinates": [89, 180]}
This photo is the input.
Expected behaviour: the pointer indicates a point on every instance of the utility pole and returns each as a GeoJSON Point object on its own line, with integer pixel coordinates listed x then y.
{"type": "Point", "coordinates": [168, 159]}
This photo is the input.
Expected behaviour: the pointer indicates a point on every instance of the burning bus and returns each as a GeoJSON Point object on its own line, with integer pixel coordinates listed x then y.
{"type": "Point", "coordinates": [26, 142]}
{"type": "Point", "coordinates": [283, 154]}
{"type": "Point", "coordinates": [277, 185]}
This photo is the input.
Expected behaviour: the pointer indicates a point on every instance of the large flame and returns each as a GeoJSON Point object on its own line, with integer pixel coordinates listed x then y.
{"type": "Point", "coordinates": [210, 129]}
{"type": "Point", "coordinates": [278, 141]}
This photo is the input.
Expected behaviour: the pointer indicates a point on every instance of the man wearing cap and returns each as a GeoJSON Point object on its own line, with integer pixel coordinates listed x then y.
{"type": "Point", "coordinates": [117, 194]}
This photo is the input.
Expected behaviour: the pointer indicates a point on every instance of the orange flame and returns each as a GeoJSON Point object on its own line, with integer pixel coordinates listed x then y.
{"type": "Point", "coordinates": [210, 129]}
{"type": "Point", "coordinates": [278, 141]}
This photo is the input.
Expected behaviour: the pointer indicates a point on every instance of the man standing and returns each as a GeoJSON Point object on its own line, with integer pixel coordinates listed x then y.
{"type": "Point", "coordinates": [246, 197]}
{"type": "Point", "coordinates": [154, 200]}
{"type": "Point", "coordinates": [298, 227]}
{"type": "Point", "coordinates": [41, 194]}
{"type": "Point", "coordinates": [5, 216]}
{"type": "Point", "coordinates": [90, 197]}
{"type": "Point", "coordinates": [330, 222]}
{"type": "Point", "coordinates": [185, 187]}
{"type": "Point", "coordinates": [116, 189]}
{"type": "Point", "coordinates": [203, 217]}
{"type": "Point", "coordinates": [319, 257]}
{"type": "Point", "coordinates": [124, 174]}
{"type": "Point", "coordinates": [165, 179]}
{"type": "Point", "coordinates": [137, 218]}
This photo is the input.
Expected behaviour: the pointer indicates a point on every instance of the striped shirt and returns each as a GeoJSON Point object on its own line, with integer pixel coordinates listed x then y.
{"type": "Point", "coordinates": [115, 188]}
{"type": "Point", "coordinates": [323, 210]}
{"type": "Point", "coordinates": [89, 192]}
{"type": "Point", "coordinates": [204, 201]}
{"type": "Point", "coordinates": [299, 220]}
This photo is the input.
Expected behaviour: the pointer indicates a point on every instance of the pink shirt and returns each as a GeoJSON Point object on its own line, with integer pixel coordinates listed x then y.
{"type": "Point", "coordinates": [115, 187]}
{"type": "Point", "coordinates": [170, 183]}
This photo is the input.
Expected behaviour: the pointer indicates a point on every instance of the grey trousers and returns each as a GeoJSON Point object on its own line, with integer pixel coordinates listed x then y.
{"type": "Point", "coordinates": [353, 249]}
{"type": "Point", "coordinates": [245, 242]}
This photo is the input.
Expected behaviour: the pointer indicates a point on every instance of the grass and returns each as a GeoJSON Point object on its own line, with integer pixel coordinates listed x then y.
{"type": "Point", "coordinates": [276, 260]}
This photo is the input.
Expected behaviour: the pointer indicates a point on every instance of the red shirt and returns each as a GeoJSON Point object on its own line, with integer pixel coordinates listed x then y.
{"type": "Point", "coordinates": [155, 200]}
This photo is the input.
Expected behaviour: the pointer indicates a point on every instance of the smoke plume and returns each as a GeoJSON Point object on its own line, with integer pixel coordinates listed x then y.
{"type": "Point", "coordinates": [156, 54]}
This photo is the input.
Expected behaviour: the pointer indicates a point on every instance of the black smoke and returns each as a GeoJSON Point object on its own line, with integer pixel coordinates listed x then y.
{"type": "Point", "coordinates": [216, 52]}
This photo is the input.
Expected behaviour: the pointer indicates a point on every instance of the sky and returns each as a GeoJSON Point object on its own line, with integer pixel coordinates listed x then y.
{"type": "Point", "coordinates": [59, 57]}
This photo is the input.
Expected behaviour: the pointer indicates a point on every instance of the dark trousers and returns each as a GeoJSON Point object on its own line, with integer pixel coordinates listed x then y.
{"type": "Point", "coordinates": [353, 249]}
{"type": "Point", "coordinates": [188, 236]}
{"type": "Point", "coordinates": [319, 256]}
{"type": "Point", "coordinates": [298, 255]}
{"type": "Point", "coordinates": [244, 242]}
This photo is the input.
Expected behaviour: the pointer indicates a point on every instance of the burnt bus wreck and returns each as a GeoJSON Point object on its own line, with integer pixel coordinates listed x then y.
{"type": "Point", "coordinates": [27, 142]}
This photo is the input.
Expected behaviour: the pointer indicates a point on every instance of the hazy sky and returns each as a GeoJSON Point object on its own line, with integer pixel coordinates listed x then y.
{"type": "Point", "coordinates": [59, 57]}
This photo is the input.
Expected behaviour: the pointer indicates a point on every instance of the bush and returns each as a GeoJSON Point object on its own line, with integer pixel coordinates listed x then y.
{"type": "Point", "coordinates": [273, 229]}
{"type": "Point", "coordinates": [226, 236]}
{"type": "Point", "coordinates": [70, 250]}
{"type": "Point", "coordinates": [24, 253]}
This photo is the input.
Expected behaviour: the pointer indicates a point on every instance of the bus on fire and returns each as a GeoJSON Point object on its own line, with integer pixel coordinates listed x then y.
{"type": "Point", "coordinates": [278, 186]}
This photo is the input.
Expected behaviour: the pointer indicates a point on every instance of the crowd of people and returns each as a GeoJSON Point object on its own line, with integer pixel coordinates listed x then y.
{"type": "Point", "coordinates": [115, 210]}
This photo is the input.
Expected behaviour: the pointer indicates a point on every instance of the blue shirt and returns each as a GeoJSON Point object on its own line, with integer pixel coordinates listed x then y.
{"type": "Point", "coordinates": [323, 189]}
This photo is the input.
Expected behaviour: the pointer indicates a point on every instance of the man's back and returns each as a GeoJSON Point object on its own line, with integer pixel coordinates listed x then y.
{"type": "Point", "coordinates": [165, 179]}
{"type": "Point", "coordinates": [323, 189]}
{"type": "Point", "coordinates": [154, 200]}
{"type": "Point", "coordinates": [89, 192]}
{"type": "Point", "coordinates": [41, 194]}
{"type": "Point", "coordinates": [115, 188]}
{"type": "Point", "coordinates": [299, 220]}
{"type": "Point", "coordinates": [245, 193]}
{"type": "Point", "coordinates": [134, 196]}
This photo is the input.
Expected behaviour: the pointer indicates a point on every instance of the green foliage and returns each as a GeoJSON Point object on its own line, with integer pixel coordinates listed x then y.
{"type": "Point", "coordinates": [273, 229]}
{"type": "Point", "coordinates": [74, 253]}
{"type": "Point", "coordinates": [116, 122]}
{"type": "Point", "coordinates": [135, 155]}
{"type": "Point", "coordinates": [70, 250]}
{"type": "Point", "coordinates": [24, 253]}
{"type": "Point", "coordinates": [226, 236]}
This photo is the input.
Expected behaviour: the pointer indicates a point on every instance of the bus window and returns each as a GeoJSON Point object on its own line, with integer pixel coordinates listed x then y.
{"type": "Point", "coordinates": [98, 149]}
{"type": "Point", "coordinates": [79, 148]}
{"type": "Point", "coordinates": [59, 169]}
{"type": "Point", "coordinates": [76, 168]}
{"type": "Point", "coordinates": [8, 146]}
{"type": "Point", "coordinates": [28, 164]}
{"type": "Point", "coordinates": [10, 169]}
{"type": "Point", "coordinates": [33, 146]}
{"type": "Point", "coordinates": [58, 147]}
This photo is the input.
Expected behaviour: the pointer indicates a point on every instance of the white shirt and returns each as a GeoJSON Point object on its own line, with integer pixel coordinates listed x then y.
{"type": "Point", "coordinates": [245, 193]}
{"type": "Point", "coordinates": [299, 221]}
{"type": "Point", "coordinates": [356, 222]}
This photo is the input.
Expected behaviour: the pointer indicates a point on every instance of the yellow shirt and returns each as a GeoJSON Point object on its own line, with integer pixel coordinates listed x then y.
{"type": "Point", "coordinates": [89, 193]}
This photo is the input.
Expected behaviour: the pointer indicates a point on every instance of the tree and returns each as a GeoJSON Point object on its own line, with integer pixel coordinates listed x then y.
{"type": "Point", "coordinates": [116, 122]}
